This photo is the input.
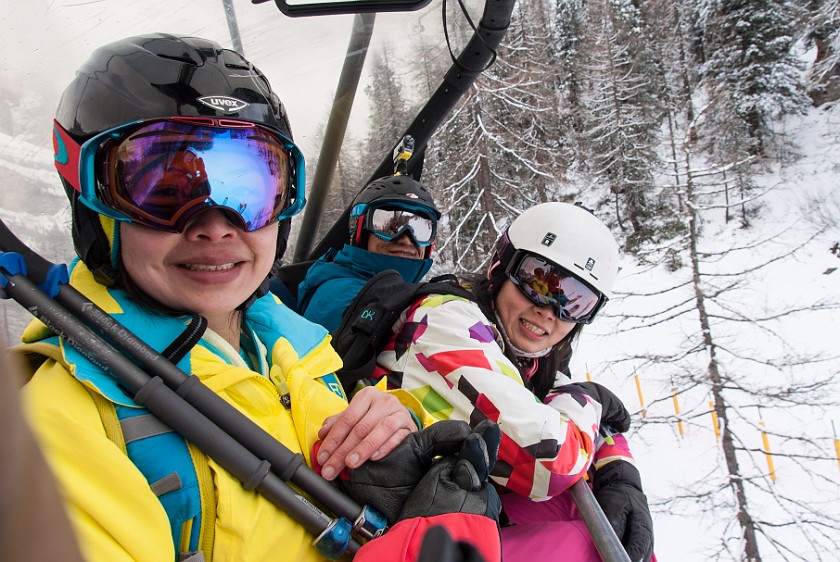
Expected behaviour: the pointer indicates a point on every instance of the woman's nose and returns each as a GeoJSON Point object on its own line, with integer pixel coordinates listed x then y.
{"type": "Point", "coordinates": [211, 224]}
{"type": "Point", "coordinates": [405, 240]}
{"type": "Point", "coordinates": [547, 311]}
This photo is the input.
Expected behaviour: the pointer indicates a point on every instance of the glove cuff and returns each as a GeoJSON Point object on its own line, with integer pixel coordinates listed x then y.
{"type": "Point", "coordinates": [617, 472]}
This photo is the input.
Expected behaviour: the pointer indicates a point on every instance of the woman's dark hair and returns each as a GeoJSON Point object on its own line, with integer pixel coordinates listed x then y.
{"type": "Point", "coordinates": [543, 380]}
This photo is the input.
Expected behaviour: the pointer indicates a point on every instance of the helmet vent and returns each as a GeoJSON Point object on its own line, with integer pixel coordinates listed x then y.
{"type": "Point", "coordinates": [232, 59]}
{"type": "Point", "coordinates": [186, 58]}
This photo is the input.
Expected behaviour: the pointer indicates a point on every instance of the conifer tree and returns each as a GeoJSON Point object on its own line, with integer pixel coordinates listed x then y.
{"type": "Point", "coordinates": [621, 117]}
{"type": "Point", "coordinates": [824, 33]}
{"type": "Point", "coordinates": [751, 72]}
{"type": "Point", "coordinates": [499, 152]}
{"type": "Point", "coordinates": [389, 114]}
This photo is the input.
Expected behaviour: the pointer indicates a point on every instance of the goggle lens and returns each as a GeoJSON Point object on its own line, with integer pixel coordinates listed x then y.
{"type": "Point", "coordinates": [546, 283]}
{"type": "Point", "coordinates": [390, 224]}
{"type": "Point", "coordinates": [161, 173]}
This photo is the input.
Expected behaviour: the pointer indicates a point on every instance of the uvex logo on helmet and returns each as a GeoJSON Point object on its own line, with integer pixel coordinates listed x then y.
{"type": "Point", "coordinates": [225, 104]}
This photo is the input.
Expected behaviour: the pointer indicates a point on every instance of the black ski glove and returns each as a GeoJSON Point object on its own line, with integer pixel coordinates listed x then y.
{"type": "Point", "coordinates": [439, 546]}
{"type": "Point", "coordinates": [386, 484]}
{"type": "Point", "coordinates": [458, 483]}
{"type": "Point", "coordinates": [618, 488]}
{"type": "Point", "coordinates": [613, 413]}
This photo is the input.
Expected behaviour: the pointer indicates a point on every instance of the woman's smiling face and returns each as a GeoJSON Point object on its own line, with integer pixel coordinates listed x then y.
{"type": "Point", "coordinates": [210, 268]}
{"type": "Point", "coordinates": [529, 327]}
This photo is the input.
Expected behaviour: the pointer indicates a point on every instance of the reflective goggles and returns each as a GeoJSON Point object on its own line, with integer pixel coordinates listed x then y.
{"type": "Point", "coordinates": [161, 172]}
{"type": "Point", "coordinates": [390, 222]}
{"type": "Point", "coordinates": [546, 283]}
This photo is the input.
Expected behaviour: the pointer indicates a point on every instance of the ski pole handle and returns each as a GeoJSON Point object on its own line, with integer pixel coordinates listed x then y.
{"type": "Point", "coordinates": [606, 541]}
{"type": "Point", "coordinates": [38, 270]}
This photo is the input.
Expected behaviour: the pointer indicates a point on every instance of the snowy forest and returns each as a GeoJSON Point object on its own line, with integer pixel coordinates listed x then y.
{"type": "Point", "coordinates": [668, 118]}
{"type": "Point", "coordinates": [704, 132]}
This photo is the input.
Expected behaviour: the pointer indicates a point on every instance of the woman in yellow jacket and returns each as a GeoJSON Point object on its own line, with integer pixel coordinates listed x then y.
{"type": "Point", "coordinates": [178, 162]}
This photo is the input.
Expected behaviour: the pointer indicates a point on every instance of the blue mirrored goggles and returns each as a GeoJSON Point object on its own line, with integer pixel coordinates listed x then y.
{"type": "Point", "coordinates": [546, 283]}
{"type": "Point", "coordinates": [161, 172]}
{"type": "Point", "coordinates": [389, 222]}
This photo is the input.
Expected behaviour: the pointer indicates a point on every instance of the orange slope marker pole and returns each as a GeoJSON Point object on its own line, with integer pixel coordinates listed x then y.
{"type": "Point", "coordinates": [677, 409]}
{"type": "Point", "coordinates": [836, 443]}
{"type": "Point", "coordinates": [715, 423]}
{"type": "Point", "coordinates": [767, 454]}
{"type": "Point", "coordinates": [639, 390]}
{"type": "Point", "coordinates": [588, 376]}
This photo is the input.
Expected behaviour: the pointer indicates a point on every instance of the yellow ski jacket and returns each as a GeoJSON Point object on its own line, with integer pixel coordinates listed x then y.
{"type": "Point", "coordinates": [117, 516]}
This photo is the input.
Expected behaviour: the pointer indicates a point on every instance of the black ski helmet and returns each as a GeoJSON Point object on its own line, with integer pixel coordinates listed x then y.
{"type": "Point", "coordinates": [157, 76]}
{"type": "Point", "coordinates": [389, 189]}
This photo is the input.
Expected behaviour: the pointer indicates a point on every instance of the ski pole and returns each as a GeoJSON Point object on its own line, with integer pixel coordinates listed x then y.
{"type": "Point", "coordinates": [366, 521]}
{"type": "Point", "coordinates": [333, 537]}
{"type": "Point", "coordinates": [606, 541]}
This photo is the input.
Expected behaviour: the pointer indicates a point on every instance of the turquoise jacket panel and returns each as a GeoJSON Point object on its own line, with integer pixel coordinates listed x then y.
{"type": "Point", "coordinates": [337, 277]}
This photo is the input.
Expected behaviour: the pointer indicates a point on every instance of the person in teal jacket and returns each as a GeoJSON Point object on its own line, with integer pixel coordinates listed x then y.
{"type": "Point", "coordinates": [393, 224]}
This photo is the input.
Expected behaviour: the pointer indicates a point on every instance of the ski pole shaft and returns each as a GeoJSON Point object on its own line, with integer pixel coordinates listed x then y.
{"type": "Point", "coordinates": [162, 401]}
{"type": "Point", "coordinates": [606, 541]}
{"type": "Point", "coordinates": [289, 466]}
{"type": "Point", "coordinates": [286, 464]}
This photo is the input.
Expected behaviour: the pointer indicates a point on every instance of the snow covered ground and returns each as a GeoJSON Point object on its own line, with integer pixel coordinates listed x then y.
{"type": "Point", "coordinates": [799, 188]}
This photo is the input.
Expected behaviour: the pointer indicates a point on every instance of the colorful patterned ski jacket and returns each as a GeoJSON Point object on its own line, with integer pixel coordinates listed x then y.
{"type": "Point", "coordinates": [448, 355]}
{"type": "Point", "coordinates": [72, 405]}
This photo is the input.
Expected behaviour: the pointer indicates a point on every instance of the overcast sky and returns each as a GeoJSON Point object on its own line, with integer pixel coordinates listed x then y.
{"type": "Point", "coordinates": [44, 41]}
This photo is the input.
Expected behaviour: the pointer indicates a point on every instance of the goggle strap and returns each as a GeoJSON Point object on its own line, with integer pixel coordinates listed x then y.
{"type": "Point", "coordinates": [66, 153]}
{"type": "Point", "coordinates": [360, 227]}
{"type": "Point", "coordinates": [510, 256]}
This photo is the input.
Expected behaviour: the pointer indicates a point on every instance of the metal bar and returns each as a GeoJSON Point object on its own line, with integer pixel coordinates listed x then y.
{"type": "Point", "coordinates": [233, 27]}
{"type": "Point", "coordinates": [606, 541]}
{"type": "Point", "coordinates": [348, 82]}
{"type": "Point", "coordinates": [472, 61]}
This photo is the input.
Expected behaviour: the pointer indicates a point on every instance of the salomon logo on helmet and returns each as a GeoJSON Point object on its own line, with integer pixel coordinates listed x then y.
{"type": "Point", "coordinates": [226, 104]}
{"type": "Point", "coordinates": [549, 239]}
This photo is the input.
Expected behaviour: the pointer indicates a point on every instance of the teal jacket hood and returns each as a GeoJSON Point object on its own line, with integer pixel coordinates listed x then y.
{"type": "Point", "coordinates": [337, 277]}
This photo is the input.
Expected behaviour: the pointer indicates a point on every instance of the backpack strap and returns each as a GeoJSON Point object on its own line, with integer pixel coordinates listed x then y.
{"type": "Point", "coordinates": [163, 457]}
{"type": "Point", "coordinates": [177, 473]}
{"type": "Point", "coordinates": [366, 323]}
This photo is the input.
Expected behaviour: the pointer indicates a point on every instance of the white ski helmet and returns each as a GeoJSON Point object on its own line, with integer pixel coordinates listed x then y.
{"type": "Point", "coordinates": [568, 235]}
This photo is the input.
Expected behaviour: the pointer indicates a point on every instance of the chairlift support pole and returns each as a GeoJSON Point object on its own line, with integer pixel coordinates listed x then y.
{"type": "Point", "coordinates": [233, 27]}
{"type": "Point", "coordinates": [606, 541]}
{"type": "Point", "coordinates": [348, 82]}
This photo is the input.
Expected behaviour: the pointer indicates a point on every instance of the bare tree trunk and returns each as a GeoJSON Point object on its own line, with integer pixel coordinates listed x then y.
{"type": "Point", "coordinates": [745, 520]}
